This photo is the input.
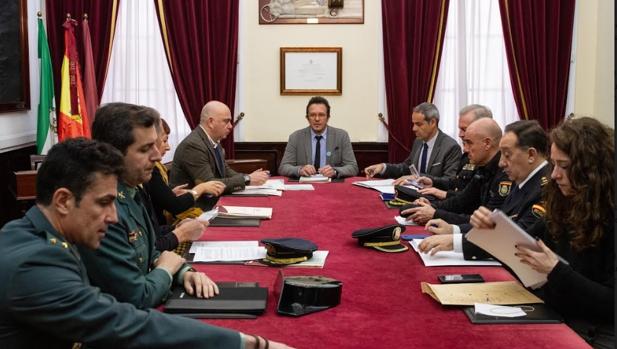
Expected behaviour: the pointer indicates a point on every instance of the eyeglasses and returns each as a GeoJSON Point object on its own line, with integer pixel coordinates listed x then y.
{"type": "Point", "coordinates": [317, 116]}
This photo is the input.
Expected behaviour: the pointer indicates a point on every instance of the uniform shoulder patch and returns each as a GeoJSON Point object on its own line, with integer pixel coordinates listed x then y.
{"type": "Point", "coordinates": [504, 188]}
{"type": "Point", "coordinates": [543, 181]}
{"type": "Point", "coordinates": [538, 210]}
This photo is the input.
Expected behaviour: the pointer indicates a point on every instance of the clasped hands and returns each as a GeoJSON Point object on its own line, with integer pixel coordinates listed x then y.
{"type": "Point", "coordinates": [309, 170]}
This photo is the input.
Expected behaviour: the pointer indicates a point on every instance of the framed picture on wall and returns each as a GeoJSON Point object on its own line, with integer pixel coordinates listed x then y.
{"type": "Point", "coordinates": [311, 11]}
{"type": "Point", "coordinates": [14, 67]}
{"type": "Point", "coordinates": [311, 70]}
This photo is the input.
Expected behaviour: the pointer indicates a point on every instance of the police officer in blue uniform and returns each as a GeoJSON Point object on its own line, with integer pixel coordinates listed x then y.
{"type": "Point", "coordinates": [523, 158]}
{"type": "Point", "coordinates": [489, 187]}
{"type": "Point", "coordinates": [45, 297]}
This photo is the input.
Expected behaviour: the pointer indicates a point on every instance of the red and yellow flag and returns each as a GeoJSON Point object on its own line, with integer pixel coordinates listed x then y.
{"type": "Point", "coordinates": [73, 117]}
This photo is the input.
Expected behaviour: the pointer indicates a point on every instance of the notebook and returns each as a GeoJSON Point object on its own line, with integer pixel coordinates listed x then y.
{"type": "Point", "coordinates": [235, 300]}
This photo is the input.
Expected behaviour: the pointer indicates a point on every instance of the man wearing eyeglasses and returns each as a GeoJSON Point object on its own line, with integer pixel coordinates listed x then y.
{"type": "Point", "coordinates": [319, 148]}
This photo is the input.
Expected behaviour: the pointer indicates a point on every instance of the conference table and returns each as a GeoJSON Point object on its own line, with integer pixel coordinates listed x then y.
{"type": "Point", "coordinates": [382, 305]}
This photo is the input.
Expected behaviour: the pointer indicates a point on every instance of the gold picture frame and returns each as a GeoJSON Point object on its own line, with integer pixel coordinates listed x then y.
{"type": "Point", "coordinates": [311, 70]}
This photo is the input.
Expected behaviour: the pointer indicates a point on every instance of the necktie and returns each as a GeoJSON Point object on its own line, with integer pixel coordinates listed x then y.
{"type": "Point", "coordinates": [219, 160]}
{"type": "Point", "coordinates": [423, 159]}
{"type": "Point", "coordinates": [317, 160]}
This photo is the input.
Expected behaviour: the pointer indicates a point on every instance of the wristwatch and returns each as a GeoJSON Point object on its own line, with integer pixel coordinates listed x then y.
{"type": "Point", "coordinates": [247, 179]}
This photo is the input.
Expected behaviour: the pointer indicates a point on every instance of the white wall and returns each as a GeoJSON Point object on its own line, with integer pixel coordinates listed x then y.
{"type": "Point", "coordinates": [19, 129]}
{"type": "Point", "coordinates": [594, 93]}
{"type": "Point", "coordinates": [272, 117]}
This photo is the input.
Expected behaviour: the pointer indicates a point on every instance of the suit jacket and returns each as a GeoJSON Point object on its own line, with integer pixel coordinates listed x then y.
{"type": "Point", "coordinates": [523, 206]}
{"type": "Point", "coordinates": [194, 162]}
{"type": "Point", "coordinates": [46, 300]}
{"type": "Point", "coordinates": [298, 153]}
{"type": "Point", "coordinates": [443, 163]}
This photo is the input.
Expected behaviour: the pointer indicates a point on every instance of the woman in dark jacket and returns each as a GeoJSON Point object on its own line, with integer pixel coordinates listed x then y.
{"type": "Point", "coordinates": [169, 203]}
{"type": "Point", "coordinates": [578, 226]}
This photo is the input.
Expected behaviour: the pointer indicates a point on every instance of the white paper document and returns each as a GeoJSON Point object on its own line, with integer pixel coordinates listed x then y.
{"type": "Point", "coordinates": [403, 221]}
{"type": "Point", "coordinates": [381, 185]}
{"type": "Point", "coordinates": [296, 187]}
{"type": "Point", "coordinates": [498, 310]}
{"type": "Point", "coordinates": [259, 192]}
{"type": "Point", "coordinates": [316, 178]}
{"type": "Point", "coordinates": [228, 251]}
{"type": "Point", "coordinates": [276, 184]}
{"type": "Point", "coordinates": [317, 261]}
{"type": "Point", "coordinates": [446, 258]}
{"type": "Point", "coordinates": [500, 243]}
{"type": "Point", "coordinates": [208, 215]}
{"type": "Point", "coordinates": [245, 212]}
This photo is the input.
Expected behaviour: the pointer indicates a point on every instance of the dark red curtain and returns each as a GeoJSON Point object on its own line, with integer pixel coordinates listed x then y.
{"type": "Point", "coordinates": [413, 32]}
{"type": "Point", "coordinates": [102, 16]}
{"type": "Point", "coordinates": [538, 37]}
{"type": "Point", "coordinates": [201, 42]}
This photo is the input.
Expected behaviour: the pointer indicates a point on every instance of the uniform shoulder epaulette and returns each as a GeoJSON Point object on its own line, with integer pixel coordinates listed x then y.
{"type": "Point", "coordinates": [54, 241]}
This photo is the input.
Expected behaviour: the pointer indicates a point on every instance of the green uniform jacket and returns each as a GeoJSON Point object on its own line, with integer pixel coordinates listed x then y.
{"type": "Point", "coordinates": [46, 302]}
{"type": "Point", "coordinates": [123, 265]}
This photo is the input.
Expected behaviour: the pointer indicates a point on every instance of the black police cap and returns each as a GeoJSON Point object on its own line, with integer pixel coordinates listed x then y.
{"type": "Point", "coordinates": [284, 251]}
{"type": "Point", "coordinates": [384, 239]}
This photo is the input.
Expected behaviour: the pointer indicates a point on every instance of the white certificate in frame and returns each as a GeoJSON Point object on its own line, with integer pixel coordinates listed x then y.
{"type": "Point", "coordinates": [311, 70]}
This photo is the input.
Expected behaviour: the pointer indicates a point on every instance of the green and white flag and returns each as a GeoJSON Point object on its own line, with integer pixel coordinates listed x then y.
{"type": "Point", "coordinates": [46, 135]}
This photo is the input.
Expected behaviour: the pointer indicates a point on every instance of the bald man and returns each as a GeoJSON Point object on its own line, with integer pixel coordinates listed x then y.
{"type": "Point", "coordinates": [489, 187]}
{"type": "Point", "coordinates": [201, 158]}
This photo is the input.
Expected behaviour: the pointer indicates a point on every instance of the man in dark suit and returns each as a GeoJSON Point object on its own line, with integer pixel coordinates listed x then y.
{"type": "Point", "coordinates": [433, 153]}
{"type": "Point", "coordinates": [523, 158]}
{"type": "Point", "coordinates": [46, 300]}
{"type": "Point", "coordinates": [201, 158]}
{"type": "Point", "coordinates": [319, 148]}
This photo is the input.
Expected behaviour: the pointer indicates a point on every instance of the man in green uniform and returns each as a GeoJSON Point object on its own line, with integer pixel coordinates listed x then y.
{"type": "Point", "coordinates": [45, 298]}
{"type": "Point", "coordinates": [127, 265]}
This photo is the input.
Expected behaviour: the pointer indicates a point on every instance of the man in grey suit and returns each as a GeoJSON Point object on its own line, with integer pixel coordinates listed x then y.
{"type": "Point", "coordinates": [433, 153]}
{"type": "Point", "coordinates": [201, 158]}
{"type": "Point", "coordinates": [319, 148]}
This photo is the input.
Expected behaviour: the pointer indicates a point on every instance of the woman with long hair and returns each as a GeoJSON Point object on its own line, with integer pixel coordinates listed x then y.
{"type": "Point", "coordinates": [578, 226]}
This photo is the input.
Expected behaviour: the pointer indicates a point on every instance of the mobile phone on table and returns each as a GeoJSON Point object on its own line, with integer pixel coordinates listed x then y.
{"type": "Point", "coordinates": [460, 278]}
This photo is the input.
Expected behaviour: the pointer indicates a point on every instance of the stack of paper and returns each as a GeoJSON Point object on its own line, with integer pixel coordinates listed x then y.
{"type": "Point", "coordinates": [276, 184]}
{"type": "Point", "coordinates": [445, 258]}
{"type": "Point", "coordinates": [227, 251]}
{"type": "Point", "coordinates": [500, 243]}
{"type": "Point", "coordinates": [259, 192]}
{"type": "Point", "coordinates": [299, 187]}
{"type": "Point", "coordinates": [384, 186]}
{"type": "Point", "coordinates": [245, 212]}
{"type": "Point", "coordinates": [316, 178]}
